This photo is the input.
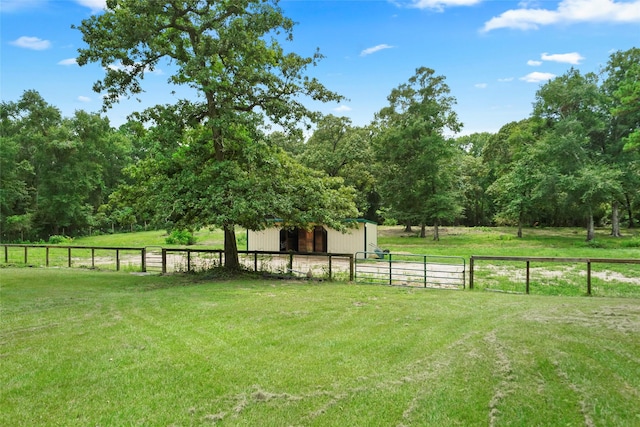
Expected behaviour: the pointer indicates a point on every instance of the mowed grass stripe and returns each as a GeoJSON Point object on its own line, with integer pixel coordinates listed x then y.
{"type": "Point", "coordinates": [102, 348]}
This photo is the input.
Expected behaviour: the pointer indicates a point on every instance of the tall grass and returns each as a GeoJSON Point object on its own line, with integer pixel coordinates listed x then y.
{"type": "Point", "coordinates": [100, 348]}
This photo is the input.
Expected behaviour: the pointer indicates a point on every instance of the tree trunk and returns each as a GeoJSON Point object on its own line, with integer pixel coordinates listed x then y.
{"type": "Point", "coordinates": [520, 226]}
{"type": "Point", "coordinates": [630, 211]}
{"type": "Point", "coordinates": [423, 230]}
{"type": "Point", "coordinates": [615, 219]}
{"type": "Point", "coordinates": [436, 231]}
{"type": "Point", "coordinates": [591, 233]}
{"type": "Point", "coordinates": [231, 261]}
{"type": "Point", "coordinates": [407, 227]}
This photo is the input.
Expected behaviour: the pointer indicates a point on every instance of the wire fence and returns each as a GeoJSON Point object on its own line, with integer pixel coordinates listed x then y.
{"type": "Point", "coordinates": [169, 260]}
{"type": "Point", "coordinates": [556, 275]}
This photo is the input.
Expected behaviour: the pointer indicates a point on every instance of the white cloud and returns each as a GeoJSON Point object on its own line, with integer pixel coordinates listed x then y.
{"type": "Point", "coordinates": [537, 77]}
{"type": "Point", "coordinates": [84, 99]}
{"type": "Point", "coordinates": [441, 4]}
{"type": "Point", "coordinates": [481, 85]}
{"type": "Point", "coordinates": [342, 109]}
{"type": "Point", "coordinates": [68, 61]}
{"type": "Point", "coordinates": [95, 5]}
{"type": "Point", "coordinates": [573, 58]}
{"type": "Point", "coordinates": [375, 49]}
{"type": "Point", "coordinates": [33, 43]}
{"type": "Point", "coordinates": [533, 63]}
{"type": "Point", "coordinates": [568, 11]}
{"type": "Point", "coordinates": [506, 79]}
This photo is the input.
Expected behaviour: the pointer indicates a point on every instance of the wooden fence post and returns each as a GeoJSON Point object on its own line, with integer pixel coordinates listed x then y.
{"type": "Point", "coordinates": [471, 272]}
{"type": "Point", "coordinates": [424, 262]}
{"type": "Point", "coordinates": [164, 261]}
{"type": "Point", "coordinates": [351, 262]}
{"type": "Point", "coordinates": [589, 277]}
{"type": "Point", "coordinates": [143, 260]}
{"type": "Point", "coordinates": [527, 286]}
{"type": "Point", "coordinates": [69, 256]}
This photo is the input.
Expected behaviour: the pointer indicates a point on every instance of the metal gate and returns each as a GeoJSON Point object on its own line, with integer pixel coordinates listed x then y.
{"type": "Point", "coordinates": [429, 271]}
{"type": "Point", "coordinates": [154, 259]}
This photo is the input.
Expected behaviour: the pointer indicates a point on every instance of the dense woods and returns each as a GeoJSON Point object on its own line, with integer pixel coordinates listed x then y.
{"type": "Point", "coordinates": [575, 161]}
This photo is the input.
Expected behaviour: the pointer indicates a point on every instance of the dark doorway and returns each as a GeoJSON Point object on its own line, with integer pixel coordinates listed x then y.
{"type": "Point", "coordinates": [289, 240]}
{"type": "Point", "coordinates": [319, 239]}
{"type": "Point", "coordinates": [301, 240]}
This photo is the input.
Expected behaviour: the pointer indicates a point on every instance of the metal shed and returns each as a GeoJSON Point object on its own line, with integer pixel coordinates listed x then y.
{"type": "Point", "coordinates": [320, 239]}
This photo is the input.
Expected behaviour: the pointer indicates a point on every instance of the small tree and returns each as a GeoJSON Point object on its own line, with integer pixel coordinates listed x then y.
{"type": "Point", "coordinates": [419, 165]}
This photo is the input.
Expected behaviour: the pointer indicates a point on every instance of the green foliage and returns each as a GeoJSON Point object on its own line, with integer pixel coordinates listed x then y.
{"type": "Point", "coordinates": [418, 165]}
{"type": "Point", "coordinates": [180, 237]}
{"type": "Point", "coordinates": [60, 240]}
{"type": "Point", "coordinates": [631, 243]}
{"type": "Point", "coordinates": [55, 172]}
{"type": "Point", "coordinates": [341, 150]}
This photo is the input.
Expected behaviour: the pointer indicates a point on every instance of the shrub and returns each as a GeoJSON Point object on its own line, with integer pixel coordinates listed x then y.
{"type": "Point", "coordinates": [180, 237]}
{"type": "Point", "coordinates": [634, 242]}
{"type": "Point", "coordinates": [59, 240]}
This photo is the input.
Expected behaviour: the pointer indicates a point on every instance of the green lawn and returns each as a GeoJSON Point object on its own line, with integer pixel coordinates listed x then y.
{"type": "Point", "coordinates": [502, 241]}
{"type": "Point", "coordinates": [211, 239]}
{"type": "Point", "coordinates": [83, 348]}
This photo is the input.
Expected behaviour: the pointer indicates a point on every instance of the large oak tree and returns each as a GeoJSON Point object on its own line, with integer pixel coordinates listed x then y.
{"type": "Point", "coordinates": [230, 52]}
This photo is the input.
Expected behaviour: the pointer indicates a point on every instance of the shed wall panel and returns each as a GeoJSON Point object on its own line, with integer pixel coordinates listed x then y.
{"type": "Point", "coordinates": [264, 240]}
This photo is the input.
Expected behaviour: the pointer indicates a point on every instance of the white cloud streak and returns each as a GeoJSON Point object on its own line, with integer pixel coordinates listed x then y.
{"type": "Point", "coordinates": [573, 58]}
{"type": "Point", "coordinates": [375, 49]}
{"type": "Point", "coordinates": [440, 5]}
{"type": "Point", "coordinates": [68, 61]}
{"type": "Point", "coordinates": [84, 99]}
{"type": "Point", "coordinates": [533, 63]}
{"type": "Point", "coordinates": [537, 77]}
{"type": "Point", "coordinates": [342, 109]}
{"type": "Point", "coordinates": [33, 43]}
{"type": "Point", "coordinates": [568, 12]}
{"type": "Point", "coordinates": [10, 6]}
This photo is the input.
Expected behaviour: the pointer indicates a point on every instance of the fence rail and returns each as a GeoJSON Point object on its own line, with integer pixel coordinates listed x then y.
{"type": "Point", "coordinates": [364, 267]}
{"type": "Point", "coordinates": [529, 260]}
{"type": "Point", "coordinates": [156, 258]}
{"type": "Point", "coordinates": [427, 271]}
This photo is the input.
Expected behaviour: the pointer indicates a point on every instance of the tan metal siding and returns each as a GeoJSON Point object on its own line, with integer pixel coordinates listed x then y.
{"type": "Point", "coordinates": [265, 240]}
{"type": "Point", "coordinates": [372, 236]}
{"type": "Point", "coordinates": [346, 243]}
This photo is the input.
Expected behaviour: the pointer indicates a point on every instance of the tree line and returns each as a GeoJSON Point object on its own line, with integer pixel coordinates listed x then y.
{"type": "Point", "coordinates": [217, 161]}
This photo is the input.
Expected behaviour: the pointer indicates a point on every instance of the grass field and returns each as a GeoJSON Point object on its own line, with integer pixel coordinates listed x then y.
{"type": "Point", "coordinates": [80, 348]}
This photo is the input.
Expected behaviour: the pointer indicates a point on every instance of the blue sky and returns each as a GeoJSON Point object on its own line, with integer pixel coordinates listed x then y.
{"type": "Point", "coordinates": [494, 54]}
